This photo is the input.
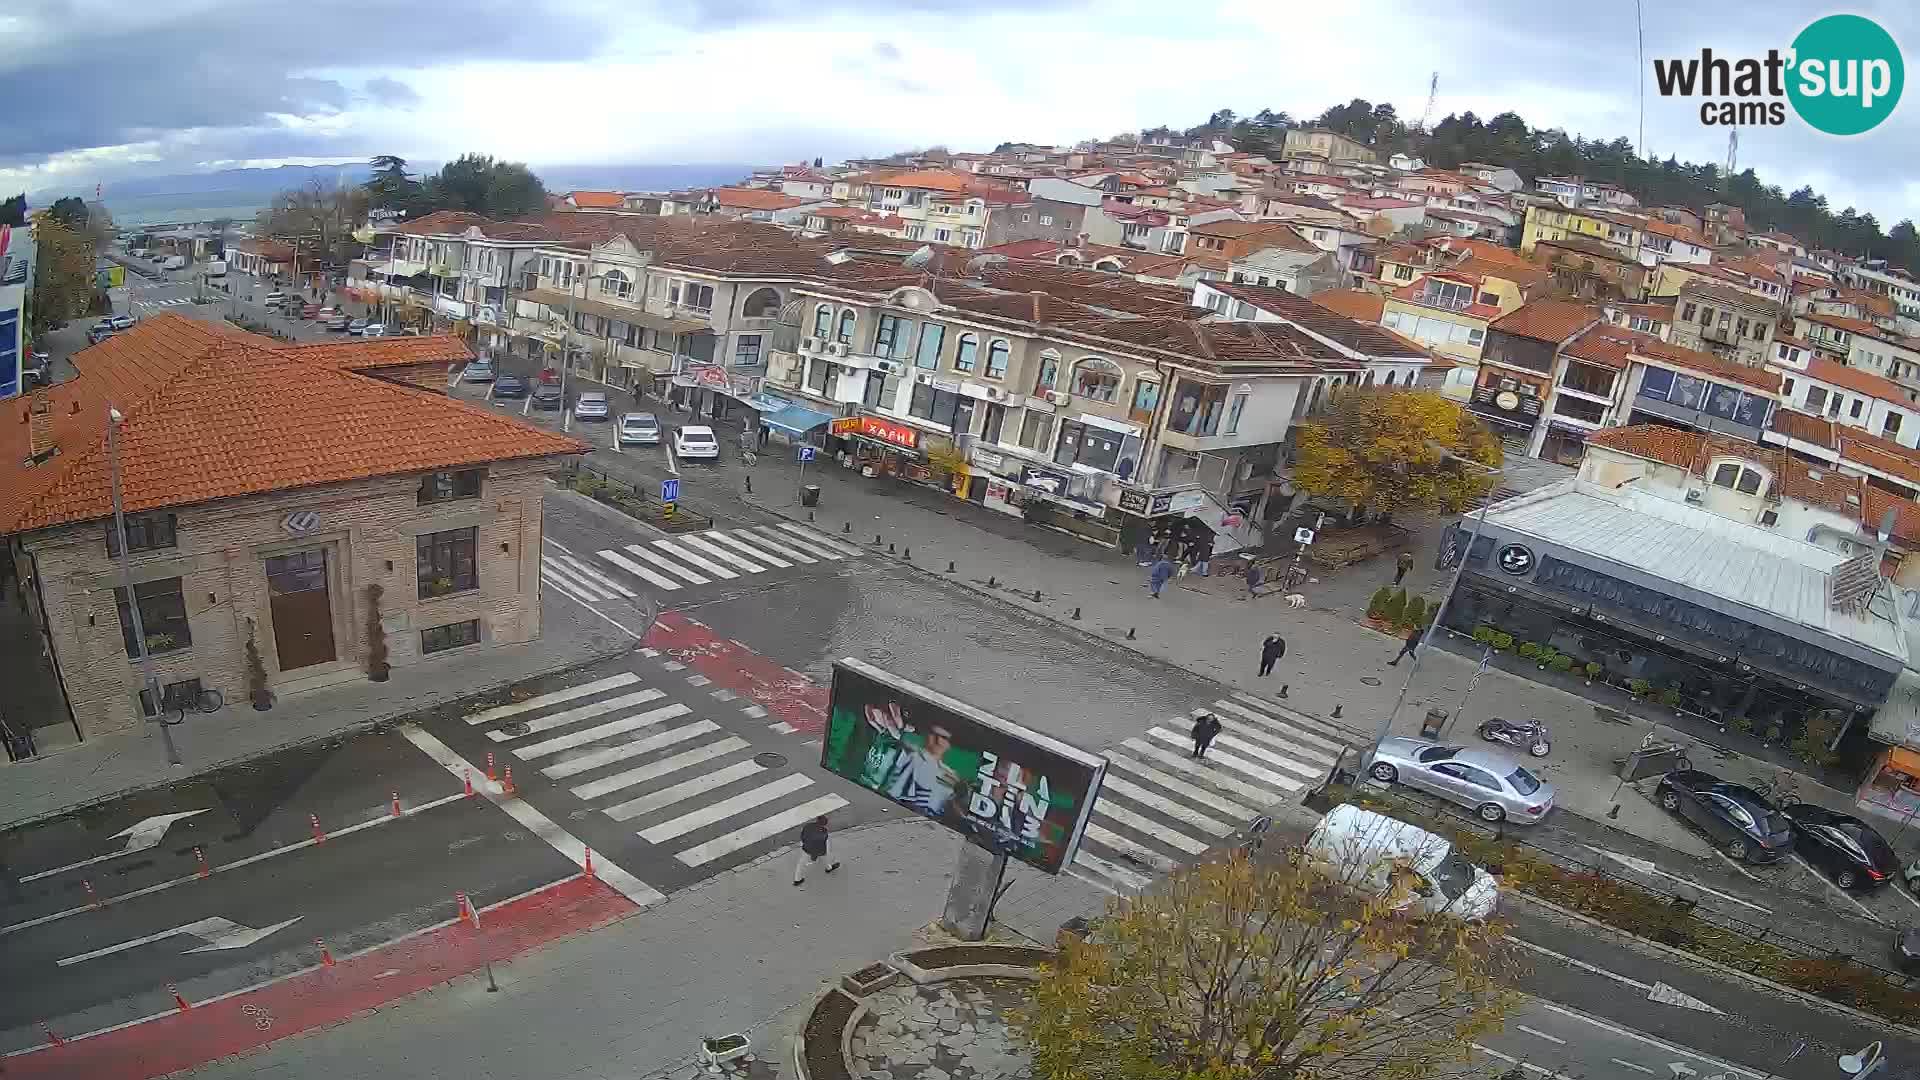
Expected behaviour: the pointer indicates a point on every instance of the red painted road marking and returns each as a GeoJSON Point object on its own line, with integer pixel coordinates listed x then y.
{"type": "Point", "coordinates": [785, 693]}
{"type": "Point", "coordinates": [327, 995]}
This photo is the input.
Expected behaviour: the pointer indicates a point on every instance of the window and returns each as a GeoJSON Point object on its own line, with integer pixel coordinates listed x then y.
{"type": "Point", "coordinates": [1725, 318]}
{"type": "Point", "coordinates": [1146, 397]}
{"type": "Point", "coordinates": [746, 350]}
{"type": "Point", "coordinates": [1319, 234]}
{"type": "Point", "coordinates": [996, 420]}
{"type": "Point", "coordinates": [927, 354]}
{"type": "Point", "coordinates": [1891, 426]}
{"type": "Point", "coordinates": [1036, 429]}
{"type": "Point", "coordinates": [1816, 399]}
{"type": "Point", "coordinates": [446, 562]}
{"type": "Point", "coordinates": [697, 297]}
{"type": "Point", "coordinates": [1854, 409]}
{"type": "Point", "coordinates": [1447, 294]}
{"type": "Point", "coordinates": [822, 321]}
{"type": "Point", "coordinates": [1024, 218]}
{"type": "Point", "coordinates": [1403, 273]}
{"type": "Point", "coordinates": [614, 283]}
{"type": "Point", "coordinates": [1740, 328]}
{"type": "Point", "coordinates": [1760, 329]}
{"type": "Point", "coordinates": [1046, 219]}
{"type": "Point", "coordinates": [964, 353]}
{"type": "Point", "coordinates": [1084, 444]}
{"type": "Point", "coordinates": [451, 636]}
{"type": "Point", "coordinates": [997, 354]}
{"type": "Point", "coordinates": [445, 486]}
{"type": "Point", "coordinates": [845, 334]}
{"type": "Point", "coordinates": [1097, 379]}
{"type": "Point", "coordinates": [174, 697]}
{"type": "Point", "coordinates": [763, 304]}
{"type": "Point", "coordinates": [163, 617]}
{"type": "Point", "coordinates": [887, 333]}
{"type": "Point", "coordinates": [938, 406]}
{"type": "Point", "coordinates": [1233, 412]}
{"type": "Point", "coordinates": [941, 236]}
{"type": "Point", "coordinates": [820, 377]}
{"type": "Point", "coordinates": [145, 532]}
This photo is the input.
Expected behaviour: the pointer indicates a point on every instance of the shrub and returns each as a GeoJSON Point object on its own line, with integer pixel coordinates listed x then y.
{"type": "Point", "coordinates": [1483, 635]}
{"type": "Point", "coordinates": [1811, 746]}
{"type": "Point", "coordinates": [1416, 612]}
{"type": "Point", "coordinates": [1639, 687]}
{"type": "Point", "coordinates": [1529, 651]}
{"type": "Point", "coordinates": [1433, 610]}
{"type": "Point", "coordinates": [1593, 670]}
{"type": "Point", "coordinates": [1377, 606]}
{"type": "Point", "coordinates": [1670, 697]}
{"type": "Point", "coordinates": [257, 691]}
{"type": "Point", "coordinates": [1396, 607]}
{"type": "Point", "coordinates": [1562, 663]}
{"type": "Point", "coordinates": [377, 666]}
{"type": "Point", "coordinates": [1502, 641]}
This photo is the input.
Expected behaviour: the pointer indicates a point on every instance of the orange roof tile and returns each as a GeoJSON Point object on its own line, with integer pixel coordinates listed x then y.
{"type": "Point", "coordinates": [1906, 513]}
{"type": "Point", "coordinates": [597, 200]}
{"type": "Point", "coordinates": [212, 413]}
{"type": "Point", "coordinates": [1803, 427]}
{"type": "Point", "coordinates": [1353, 303]}
{"type": "Point", "coordinates": [1858, 447]}
{"type": "Point", "coordinates": [1852, 326]}
{"type": "Point", "coordinates": [1655, 442]}
{"type": "Point", "coordinates": [369, 354]}
{"type": "Point", "coordinates": [1668, 355]}
{"type": "Point", "coordinates": [1547, 320]}
{"type": "Point", "coordinates": [1855, 379]}
{"type": "Point", "coordinates": [1607, 345]}
{"type": "Point", "coordinates": [754, 199]}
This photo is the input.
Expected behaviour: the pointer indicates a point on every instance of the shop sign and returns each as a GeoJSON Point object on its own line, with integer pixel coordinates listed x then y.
{"type": "Point", "coordinates": [987, 459]}
{"type": "Point", "coordinates": [1180, 502]}
{"type": "Point", "coordinates": [846, 426]}
{"type": "Point", "coordinates": [951, 386]}
{"type": "Point", "coordinates": [1134, 502]}
{"type": "Point", "coordinates": [1047, 483]}
{"type": "Point", "coordinates": [886, 431]}
{"type": "Point", "coordinates": [743, 386]}
{"type": "Point", "coordinates": [1516, 559]}
{"type": "Point", "coordinates": [713, 378]}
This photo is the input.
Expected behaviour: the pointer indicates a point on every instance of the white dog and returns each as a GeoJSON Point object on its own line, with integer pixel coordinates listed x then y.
{"type": "Point", "coordinates": [1296, 600]}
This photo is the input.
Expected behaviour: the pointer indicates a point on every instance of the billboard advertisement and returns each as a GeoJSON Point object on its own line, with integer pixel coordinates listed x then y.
{"type": "Point", "coordinates": [1007, 788]}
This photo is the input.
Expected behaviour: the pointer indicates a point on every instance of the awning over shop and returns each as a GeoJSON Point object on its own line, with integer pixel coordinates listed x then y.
{"type": "Point", "coordinates": [1897, 720]}
{"type": "Point", "coordinates": [633, 316]}
{"type": "Point", "coordinates": [796, 419]}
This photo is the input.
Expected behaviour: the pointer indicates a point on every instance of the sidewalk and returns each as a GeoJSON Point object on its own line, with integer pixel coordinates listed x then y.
{"type": "Point", "coordinates": [744, 952]}
{"type": "Point", "coordinates": [84, 773]}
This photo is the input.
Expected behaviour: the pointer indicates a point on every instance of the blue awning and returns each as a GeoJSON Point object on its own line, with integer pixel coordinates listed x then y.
{"type": "Point", "coordinates": [795, 419]}
{"type": "Point", "coordinates": [766, 403]}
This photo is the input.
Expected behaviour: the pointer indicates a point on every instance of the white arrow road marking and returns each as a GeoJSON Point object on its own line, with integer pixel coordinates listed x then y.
{"type": "Point", "coordinates": [140, 836]}
{"type": "Point", "coordinates": [1631, 1065]}
{"type": "Point", "coordinates": [1646, 866]}
{"type": "Point", "coordinates": [1660, 993]}
{"type": "Point", "coordinates": [1667, 995]}
{"type": "Point", "coordinates": [1681, 1068]}
{"type": "Point", "coordinates": [217, 932]}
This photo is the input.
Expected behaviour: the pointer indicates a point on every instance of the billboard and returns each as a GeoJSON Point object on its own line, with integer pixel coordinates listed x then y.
{"type": "Point", "coordinates": [1009, 789]}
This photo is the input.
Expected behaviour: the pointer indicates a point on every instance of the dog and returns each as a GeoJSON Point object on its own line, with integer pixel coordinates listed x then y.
{"type": "Point", "coordinates": [1296, 600]}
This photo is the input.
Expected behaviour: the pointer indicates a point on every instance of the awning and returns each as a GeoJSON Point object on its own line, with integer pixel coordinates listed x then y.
{"type": "Point", "coordinates": [765, 404]}
{"type": "Point", "coordinates": [1897, 720]}
{"type": "Point", "coordinates": [796, 419]}
{"type": "Point", "coordinates": [632, 315]}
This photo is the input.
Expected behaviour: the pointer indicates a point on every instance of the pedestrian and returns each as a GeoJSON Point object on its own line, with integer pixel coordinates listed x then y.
{"type": "Point", "coordinates": [1205, 727]}
{"type": "Point", "coordinates": [1143, 551]}
{"type": "Point", "coordinates": [1158, 577]}
{"type": "Point", "coordinates": [1271, 650]}
{"type": "Point", "coordinates": [1408, 646]}
{"type": "Point", "coordinates": [813, 848]}
{"type": "Point", "coordinates": [1255, 576]}
{"type": "Point", "coordinates": [1401, 566]}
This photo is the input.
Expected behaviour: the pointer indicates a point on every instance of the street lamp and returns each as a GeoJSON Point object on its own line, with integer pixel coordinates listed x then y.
{"type": "Point", "coordinates": [151, 684]}
{"type": "Point", "coordinates": [1426, 636]}
{"type": "Point", "coordinates": [1863, 1062]}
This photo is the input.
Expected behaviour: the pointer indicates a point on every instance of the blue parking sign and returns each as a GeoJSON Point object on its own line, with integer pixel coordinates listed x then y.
{"type": "Point", "coordinates": [670, 490]}
{"type": "Point", "coordinates": [806, 453]}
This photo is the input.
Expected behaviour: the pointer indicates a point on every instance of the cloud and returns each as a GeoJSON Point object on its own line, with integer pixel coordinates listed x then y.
{"type": "Point", "coordinates": [391, 92]}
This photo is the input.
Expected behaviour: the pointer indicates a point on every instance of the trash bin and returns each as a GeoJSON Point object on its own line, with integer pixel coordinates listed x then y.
{"type": "Point", "coordinates": [810, 495]}
{"type": "Point", "coordinates": [1430, 727]}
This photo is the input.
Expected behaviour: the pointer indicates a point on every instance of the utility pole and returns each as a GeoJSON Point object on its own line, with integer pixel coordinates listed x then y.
{"type": "Point", "coordinates": [141, 652]}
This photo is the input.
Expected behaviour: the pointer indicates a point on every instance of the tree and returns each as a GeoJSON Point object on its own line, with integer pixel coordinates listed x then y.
{"type": "Point", "coordinates": [478, 184]}
{"type": "Point", "coordinates": [1238, 970]}
{"type": "Point", "coordinates": [70, 211]}
{"type": "Point", "coordinates": [317, 219]}
{"type": "Point", "coordinates": [62, 273]}
{"type": "Point", "coordinates": [14, 210]}
{"type": "Point", "coordinates": [390, 188]}
{"type": "Point", "coordinates": [1380, 450]}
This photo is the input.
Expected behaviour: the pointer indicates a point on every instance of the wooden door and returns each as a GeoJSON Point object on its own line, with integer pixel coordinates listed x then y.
{"type": "Point", "coordinates": [302, 615]}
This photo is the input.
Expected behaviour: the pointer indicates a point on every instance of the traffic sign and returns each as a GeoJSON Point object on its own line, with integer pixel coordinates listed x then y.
{"type": "Point", "coordinates": [670, 489]}
{"type": "Point", "coordinates": [806, 453]}
{"type": "Point", "coordinates": [1303, 536]}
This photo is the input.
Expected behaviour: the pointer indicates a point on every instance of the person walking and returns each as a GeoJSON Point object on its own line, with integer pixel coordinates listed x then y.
{"type": "Point", "coordinates": [1402, 566]}
{"type": "Point", "coordinates": [1255, 576]}
{"type": "Point", "coordinates": [1271, 650]}
{"type": "Point", "coordinates": [1158, 577]}
{"type": "Point", "coordinates": [1408, 646]}
{"type": "Point", "coordinates": [1205, 727]}
{"type": "Point", "coordinates": [813, 848]}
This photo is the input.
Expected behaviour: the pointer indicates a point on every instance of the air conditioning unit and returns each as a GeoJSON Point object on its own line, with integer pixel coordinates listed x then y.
{"type": "Point", "coordinates": [994, 393]}
{"type": "Point", "coordinates": [1694, 495]}
{"type": "Point", "coordinates": [836, 348]}
{"type": "Point", "coordinates": [809, 344]}
{"type": "Point", "coordinates": [1057, 397]}
{"type": "Point", "coordinates": [922, 377]}
{"type": "Point", "coordinates": [889, 367]}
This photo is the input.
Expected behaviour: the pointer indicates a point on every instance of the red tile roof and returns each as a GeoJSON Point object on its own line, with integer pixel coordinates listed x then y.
{"type": "Point", "coordinates": [1851, 326]}
{"type": "Point", "coordinates": [215, 413]}
{"type": "Point", "coordinates": [1803, 427]}
{"type": "Point", "coordinates": [1353, 303]}
{"type": "Point", "coordinates": [1359, 336]}
{"type": "Point", "coordinates": [1663, 354]}
{"type": "Point", "coordinates": [598, 200]}
{"type": "Point", "coordinates": [1858, 447]}
{"type": "Point", "coordinates": [271, 250]}
{"type": "Point", "coordinates": [754, 199]}
{"type": "Point", "coordinates": [1655, 442]}
{"type": "Point", "coordinates": [1608, 345]}
{"type": "Point", "coordinates": [1856, 379]}
{"type": "Point", "coordinates": [1547, 320]}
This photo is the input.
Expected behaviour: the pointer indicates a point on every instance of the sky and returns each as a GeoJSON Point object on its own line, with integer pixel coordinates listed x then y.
{"type": "Point", "coordinates": [101, 90]}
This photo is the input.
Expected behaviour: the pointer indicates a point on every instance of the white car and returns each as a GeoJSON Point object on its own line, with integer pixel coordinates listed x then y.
{"type": "Point", "coordinates": [374, 330]}
{"type": "Point", "coordinates": [696, 441]}
{"type": "Point", "coordinates": [639, 429]}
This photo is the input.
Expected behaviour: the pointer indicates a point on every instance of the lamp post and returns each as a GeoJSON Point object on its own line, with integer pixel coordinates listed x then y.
{"type": "Point", "coordinates": [1446, 599]}
{"type": "Point", "coordinates": [1865, 1061]}
{"type": "Point", "coordinates": [151, 684]}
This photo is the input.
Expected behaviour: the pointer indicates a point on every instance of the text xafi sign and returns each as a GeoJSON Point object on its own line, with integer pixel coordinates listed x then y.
{"type": "Point", "coordinates": [1843, 75]}
{"type": "Point", "coordinates": [873, 427]}
{"type": "Point", "coordinates": [1007, 788]}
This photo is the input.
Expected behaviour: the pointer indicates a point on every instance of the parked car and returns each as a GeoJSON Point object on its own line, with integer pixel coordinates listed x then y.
{"type": "Point", "coordinates": [99, 331]}
{"type": "Point", "coordinates": [510, 386]}
{"type": "Point", "coordinates": [357, 326]}
{"type": "Point", "coordinates": [1417, 870]}
{"type": "Point", "coordinates": [1495, 786]}
{"type": "Point", "coordinates": [38, 370]}
{"type": "Point", "coordinates": [1906, 950]}
{"type": "Point", "coordinates": [478, 371]}
{"type": "Point", "coordinates": [547, 395]}
{"type": "Point", "coordinates": [1845, 847]}
{"type": "Point", "coordinates": [639, 429]}
{"type": "Point", "coordinates": [274, 299]}
{"type": "Point", "coordinates": [374, 329]}
{"type": "Point", "coordinates": [1734, 816]}
{"type": "Point", "coordinates": [123, 322]}
{"type": "Point", "coordinates": [326, 314]}
{"type": "Point", "coordinates": [339, 323]}
{"type": "Point", "coordinates": [309, 311]}
{"type": "Point", "coordinates": [696, 441]}
{"type": "Point", "coordinates": [592, 405]}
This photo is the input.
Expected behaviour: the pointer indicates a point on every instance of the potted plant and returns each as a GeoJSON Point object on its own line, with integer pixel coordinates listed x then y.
{"type": "Point", "coordinates": [378, 670]}
{"type": "Point", "coordinates": [440, 586]}
{"type": "Point", "coordinates": [1562, 663]}
{"type": "Point", "coordinates": [1502, 641]}
{"type": "Point", "coordinates": [257, 691]}
{"type": "Point", "coordinates": [1593, 672]}
{"type": "Point", "coordinates": [1529, 651]}
{"type": "Point", "coordinates": [1670, 697]}
{"type": "Point", "coordinates": [1638, 687]}
{"type": "Point", "coordinates": [1396, 607]}
{"type": "Point", "coordinates": [1377, 604]}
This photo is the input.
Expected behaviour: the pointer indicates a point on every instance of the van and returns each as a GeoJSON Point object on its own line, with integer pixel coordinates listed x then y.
{"type": "Point", "coordinates": [217, 268]}
{"type": "Point", "coordinates": [175, 262]}
{"type": "Point", "coordinates": [1385, 857]}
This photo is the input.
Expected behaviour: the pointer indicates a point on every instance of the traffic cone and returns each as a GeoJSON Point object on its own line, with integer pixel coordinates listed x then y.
{"type": "Point", "coordinates": [319, 836]}
{"type": "Point", "coordinates": [53, 1037]}
{"type": "Point", "coordinates": [326, 954]}
{"type": "Point", "coordinates": [396, 804]}
{"type": "Point", "coordinates": [177, 999]}
{"type": "Point", "coordinates": [589, 867]}
{"type": "Point", "coordinates": [491, 774]}
{"type": "Point", "coordinates": [469, 783]}
{"type": "Point", "coordinates": [205, 870]}
{"type": "Point", "coordinates": [93, 901]}
{"type": "Point", "coordinates": [507, 787]}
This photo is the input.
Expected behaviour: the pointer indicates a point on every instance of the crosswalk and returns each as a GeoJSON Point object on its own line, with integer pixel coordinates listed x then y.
{"type": "Point", "coordinates": [175, 302]}
{"type": "Point", "coordinates": [1159, 808]}
{"type": "Point", "coordinates": [675, 779]}
{"type": "Point", "coordinates": [687, 561]}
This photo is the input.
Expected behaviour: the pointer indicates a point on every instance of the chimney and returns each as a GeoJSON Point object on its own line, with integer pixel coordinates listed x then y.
{"type": "Point", "coordinates": [40, 427]}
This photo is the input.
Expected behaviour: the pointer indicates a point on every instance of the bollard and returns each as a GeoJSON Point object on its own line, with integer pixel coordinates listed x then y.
{"type": "Point", "coordinates": [949, 566]}
{"type": "Point", "coordinates": [491, 774]}
{"type": "Point", "coordinates": [319, 837]}
{"type": "Point", "coordinates": [53, 1038]}
{"type": "Point", "coordinates": [846, 527]}
{"type": "Point", "coordinates": [877, 538]}
{"type": "Point", "coordinates": [991, 583]}
{"type": "Point", "coordinates": [907, 554]}
{"type": "Point", "coordinates": [326, 954]}
{"type": "Point", "coordinates": [396, 804]}
{"type": "Point", "coordinates": [469, 775]}
{"type": "Point", "coordinates": [749, 481]}
{"type": "Point", "coordinates": [890, 548]}
{"type": "Point", "coordinates": [92, 900]}
{"type": "Point", "coordinates": [1036, 596]}
{"type": "Point", "coordinates": [507, 786]}
{"type": "Point", "coordinates": [589, 866]}
{"type": "Point", "coordinates": [1130, 633]}
{"type": "Point", "coordinates": [809, 515]}
{"type": "Point", "coordinates": [1283, 689]}
{"type": "Point", "coordinates": [201, 857]}
{"type": "Point", "coordinates": [1076, 613]}
{"type": "Point", "coordinates": [178, 1001]}
{"type": "Point", "coordinates": [1336, 712]}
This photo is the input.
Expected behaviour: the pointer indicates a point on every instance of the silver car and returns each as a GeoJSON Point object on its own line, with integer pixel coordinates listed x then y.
{"type": "Point", "coordinates": [592, 405]}
{"type": "Point", "coordinates": [1497, 787]}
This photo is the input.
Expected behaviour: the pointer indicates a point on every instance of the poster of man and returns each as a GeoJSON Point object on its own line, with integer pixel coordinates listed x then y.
{"type": "Point", "coordinates": [1013, 791]}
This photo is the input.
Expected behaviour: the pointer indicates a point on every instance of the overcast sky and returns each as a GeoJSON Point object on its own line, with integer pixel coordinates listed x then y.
{"type": "Point", "coordinates": [99, 90]}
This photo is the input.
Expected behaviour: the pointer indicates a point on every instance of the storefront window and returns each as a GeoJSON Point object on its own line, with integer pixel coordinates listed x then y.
{"type": "Point", "coordinates": [1036, 428]}
{"type": "Point", "coordinates": [163, 617]}
{"type": "Point", "coordinates": [936, 406]}
{"type": "Point", "coordinates": [927, 355]}
{"type": "Point", "coordinates": [1093, 447]}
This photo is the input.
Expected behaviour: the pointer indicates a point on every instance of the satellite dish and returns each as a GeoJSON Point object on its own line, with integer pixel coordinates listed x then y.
{"type": "Point", "coordinates": [920, 259]}
{"type": "Point", "coordinates": [837, 257]}
{"type": "Point", "coordinates": [981, 262]}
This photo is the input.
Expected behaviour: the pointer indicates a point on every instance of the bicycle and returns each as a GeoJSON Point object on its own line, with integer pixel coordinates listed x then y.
{"type": "Point", "coordinates": [207, 701]}
{"type": "Point", "coordinates": [1778, 790]}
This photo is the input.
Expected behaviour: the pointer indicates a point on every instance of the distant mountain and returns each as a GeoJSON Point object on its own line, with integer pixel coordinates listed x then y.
{"type": "Point", "coordinates": [263, 182]}
{"type": "Point", "coordinates": [561, 179]}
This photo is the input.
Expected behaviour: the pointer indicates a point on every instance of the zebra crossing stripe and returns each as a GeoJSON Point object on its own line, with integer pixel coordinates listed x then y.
{"type": "Point", "coordinates": [772, 541]}
{"type": "Point", "coordinates": [1120, 845]}
{"type": "Point", "coordinates": [1133, 792]}
{"type": "Point", "coordinates": [668, 565]}
{"type": "Point", "coordinates": [571, 583]}
{"type": "Point", "coordinates": [702, 544]}
{"type": "Point", "coordinates": [583, 712]}
{"type": "Point", "coordinates": [1140, 823]}
{"type": "Point", "coordinates": [775, 535]}
{"type": "Point", "coordinates": [1194, 792]}
{"type": "Point", "coordinates": [541, 701]}
{"type": "Point", "coordinates": [1238, 764]}
{"type": "Point", "coordinates": [696, 559]}
{"type": "Point", "coordinates": [665, 766]}
{"type": "Point", "coordinates": [700, 854]}
{"type": "Point", "coordinates": [1296, 758]}
{"type": "Point", "coordinates": [595, 576]}
{"type": "Point", "coordinates": [737, 544]}
{"type": "Point", "coordinates": [589, 762]}
{"type": "Point", "coordinates": [572, 593]}
{"type": "Point", "coordinates": [595, 734]}
{"type": "Point", "coordinates": [681, 792]}
{"type": "Point", "coordinates": [819, 539]}
{"type": "Point", "coordinates": [726, 808]}
{"type": "Point", "coordinates": [1214, 776]}
{"type": "Point", "coordinates": [1277, 760]}
{"type": "Point", "coordinates": [1114, 874]}
{"type": "Point", "coordinates": [638, 571]}
{"type": "Point", "coordinates": [1326, 729]}
{"type": "Point", "coordinates": [1309, 741]}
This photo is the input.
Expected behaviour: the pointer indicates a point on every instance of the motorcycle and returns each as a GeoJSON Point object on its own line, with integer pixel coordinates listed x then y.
{"type": "Point", "coordinates": [1531, 736]}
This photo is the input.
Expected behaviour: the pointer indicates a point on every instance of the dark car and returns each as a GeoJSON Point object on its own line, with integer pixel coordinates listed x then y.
{"type": "Point", "coordinates": [507, 386]}
{"type": "Point", "coordinates": [1906, 950]}
{"type": "Point", "coordinates": [1842, 845]}
{"type": "Point", "coordinates": [1734, 817]}
{"type": "Point", "coordinates": [547, 395]}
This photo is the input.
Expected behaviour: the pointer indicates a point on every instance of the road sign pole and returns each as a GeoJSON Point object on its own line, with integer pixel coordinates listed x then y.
{"type": "Point", "coordinates": [801, 487]}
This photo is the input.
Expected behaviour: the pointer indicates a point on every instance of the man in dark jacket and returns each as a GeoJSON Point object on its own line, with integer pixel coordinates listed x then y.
{"type": "Point", "coordinates": [1271, 651]}
{"type": "Point", "coordinates": [1408, 646]}
{"type": "Point", "coordinates": [813, 848]}
{"type": "Point", "coordinates": [1401, 566]}
{"type": "Point", "coordinates": [1205, 727]}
